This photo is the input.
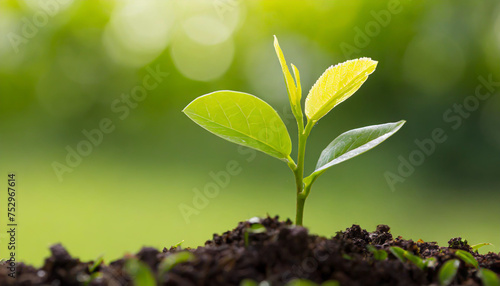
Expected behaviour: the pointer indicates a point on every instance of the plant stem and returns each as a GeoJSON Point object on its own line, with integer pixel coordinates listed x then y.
{"type": "Point", "coordinates": [300, 209]}
{"type": "Point", "coordinates": [299, 171]}
{"type": "Point", "coordinates": [308, 181]}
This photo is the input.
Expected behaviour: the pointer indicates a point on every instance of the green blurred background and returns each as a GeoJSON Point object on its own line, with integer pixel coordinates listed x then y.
{"type": "Point", "coordinates": [66, 65]}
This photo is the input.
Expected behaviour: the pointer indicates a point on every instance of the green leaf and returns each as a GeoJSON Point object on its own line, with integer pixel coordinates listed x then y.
{"type": "Point", "coordinates": [242, 119]}
{"type": "Point", "coordinates": [448, 272]}
{"type": "Point", "coordinates": [378, 254]}
{"type": "Point", "coordinates": [294, 94]}
{"type": "Point", "coordinates": [419, 262]}
{"type": "Point", "coordinates": [301, 282]}
{"type": "Point", "coordinates": [140, 273]}
{"type": "Point", "coordinates": [467, 258]}
{"type": "Point", "coordinates": [355, 142]}
{"type": "Point", "coordinates": [178, 244]}
{"type": "Point", "coordinates": [337, 84]}
{"type": "Point", "coordinates": [477, 246]}
{"type": "Point", "coordinates": [96, 264]}
{"type": "Point", "coordinates": [398, 252]}
{"type": "Point", "coordinates": [254, 228]}
{"type": "Point", "coordinates": [346, 256]}
{"type": "Point", "coordinates": [404, 255]}
{"type": "Point", "coordinates": [330, 283]}
{"type": "Point", "coordinates": [173, 259]}
{"type": "Point", "coordinates": [299, 87]}
{"type": "Point", "coordinates": [488, 277]}
{"type": "Point", "coordinates": [248, 282]}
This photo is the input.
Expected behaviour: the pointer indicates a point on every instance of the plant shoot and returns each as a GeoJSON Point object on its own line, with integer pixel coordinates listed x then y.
{"type": "Point", "coordinates": [244, 119]}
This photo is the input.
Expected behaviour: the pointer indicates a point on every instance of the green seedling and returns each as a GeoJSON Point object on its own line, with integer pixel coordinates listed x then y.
{"type": "Point", "coordinates": [246, 120]}
{"type": "Point", "coordinates": [378, 254]}
{"type": "Point", "coordinates": [488, 277]}
{"type": "Point", "coordinates": [331, 283]}
{"type": "Point", "coordinates": [301, 282]}
{"type": "Point", "coordinates": [467, 258]}
{"type": "Point", "coordinates": [248, 282]}
{"type": "Point", "coordinates": [94, 274]}
{"type": "Point", "coordinates": [404, 256]}
{"type": "Point", "coordinates": [448, 272]}
{"type": "Point", "coordinates": [419, 262]}
{"type": "Point", "coordinates": [254, 228]}
{"type": "Point", "coordinates": [173, 259]}
{"type": "Point", "coordinates": [139, 272]}
{"type": "Point", "coordinates": [346, 256]}
{"type": "Point", "coordinates": [178, 245]}
{"type": "Point", "coordinates": [96, 264]}
{"type": "Point", "coordinates": [477, 246]}
{"type": "Point", "coordinates": [398, 252]}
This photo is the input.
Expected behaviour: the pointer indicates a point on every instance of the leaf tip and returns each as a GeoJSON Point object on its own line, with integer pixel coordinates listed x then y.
{"type": "Point", "coordinates": [372, 64]}
{"type": "Point", "coordinates": [372, 61]}
{"type": "Point", "coordinates": [187, 106]}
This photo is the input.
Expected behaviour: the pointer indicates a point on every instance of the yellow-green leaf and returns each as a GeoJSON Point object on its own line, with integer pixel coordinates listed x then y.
{"type": "Point", "coordinates": [467, 258]}
{"type": "Point", "coordinates": [242, 119]}
{"type": "Point", "coordinates": [293, 95]}
{"type": "Point", "coordinates": [477, 246]}
{"type": "Point", "coordinates": [297, 79]}
{"type": "Point", "coordinates": [337, 84]}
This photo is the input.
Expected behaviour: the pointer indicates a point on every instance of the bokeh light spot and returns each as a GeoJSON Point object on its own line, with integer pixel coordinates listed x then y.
{"type": "Point", "coordinates": [201, 62]}
{"type": "Point", "coordinates": [139, 31]}
{"type": "Point", "coordinates": [206, 30]}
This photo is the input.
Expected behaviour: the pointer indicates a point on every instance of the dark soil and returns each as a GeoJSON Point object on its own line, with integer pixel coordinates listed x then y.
{"type": "Point", "coordinates": [281, 253]}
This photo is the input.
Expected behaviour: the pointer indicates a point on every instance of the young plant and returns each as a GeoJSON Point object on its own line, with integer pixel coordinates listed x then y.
{"type": "Point", "coordinates": [488, 277]}
{"type": "Point", "coordinates": [378, 254]}
{"type": "Point", "coordinates": [404, 256]}
{"type": "Point", "coordinates": [467, 258]}
{"type": "Point", "coordinates": [477, 246]}
{"type": "Point", "coordinates": [140, 272]}
{"type": "Point", "coordinates": [254, 228]}
{"type": "Point", "coordinates": [249, 121]}
{"type": "Point", "coordinates": [173, 259]}
{"type": "Point", "coordinates": [448, 272]}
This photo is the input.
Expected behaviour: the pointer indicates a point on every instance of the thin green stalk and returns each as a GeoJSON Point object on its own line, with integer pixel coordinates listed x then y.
{"type": "Point", "coordinates": [299, 172]}
{"type": "Point", "coordinates": [300, 209]}
{"type": "Point", "coordinates": [291, 163]}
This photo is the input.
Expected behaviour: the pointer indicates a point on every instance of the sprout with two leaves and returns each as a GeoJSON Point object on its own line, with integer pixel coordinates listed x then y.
{"type": "Point", "coordinates": [249, 121]}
